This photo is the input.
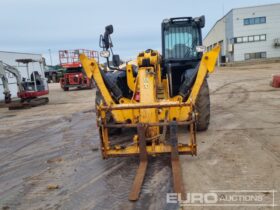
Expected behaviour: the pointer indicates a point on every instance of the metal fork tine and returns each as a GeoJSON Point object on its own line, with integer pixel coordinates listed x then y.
{"type": "Point", "coordinates": [141, 171]}
{"type": "Point", "coordinates": [178, 184]}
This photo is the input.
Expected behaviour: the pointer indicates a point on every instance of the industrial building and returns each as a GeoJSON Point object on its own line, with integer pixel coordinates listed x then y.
{"type": "Point", "coordinates": [10, 59]}
{"type": "Point", "coordinates": [247, 33]}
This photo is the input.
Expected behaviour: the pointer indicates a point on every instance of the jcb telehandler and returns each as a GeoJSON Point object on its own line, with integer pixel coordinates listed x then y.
{"type": "Point", "coordinates": [160, 92]}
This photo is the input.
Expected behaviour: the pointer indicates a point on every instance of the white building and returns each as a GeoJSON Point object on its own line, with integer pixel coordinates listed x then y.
{"type": "Point", "coordinates": [247, 33]}
{"type": "Point", "coordinates": [10, 58]}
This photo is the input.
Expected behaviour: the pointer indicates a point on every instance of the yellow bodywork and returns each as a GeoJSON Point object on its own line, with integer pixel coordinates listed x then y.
{"type": "Point", "coordinates": [155, 108]}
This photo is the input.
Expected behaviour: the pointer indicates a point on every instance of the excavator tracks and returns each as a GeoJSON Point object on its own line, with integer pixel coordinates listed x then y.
{"type": "Point", "coordinates": [28, 103]}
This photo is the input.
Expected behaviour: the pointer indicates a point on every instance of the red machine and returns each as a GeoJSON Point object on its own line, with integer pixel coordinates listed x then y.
{"type": "Point", "coordinates": [75, 75]}
{"type": "Point", "coordinates": [275, 81]}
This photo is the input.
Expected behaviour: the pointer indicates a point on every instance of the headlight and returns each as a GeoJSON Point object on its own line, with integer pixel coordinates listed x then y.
{"type": "Point", "coordinates": [105, 54]}
{"type": "Point", "coordinates": [200, 49]}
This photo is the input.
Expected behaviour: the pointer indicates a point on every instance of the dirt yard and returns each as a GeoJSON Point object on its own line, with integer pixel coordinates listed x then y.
{"type": "Point", "coordinates": [50, 158]}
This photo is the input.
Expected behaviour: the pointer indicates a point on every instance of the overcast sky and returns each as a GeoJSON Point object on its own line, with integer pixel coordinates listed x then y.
{"type": "Point", "coordinates": [39, 25]}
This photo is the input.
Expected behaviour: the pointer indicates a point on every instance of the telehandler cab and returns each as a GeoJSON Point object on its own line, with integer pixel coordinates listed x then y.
{"type": "Point", "coordinates": [160, 92]}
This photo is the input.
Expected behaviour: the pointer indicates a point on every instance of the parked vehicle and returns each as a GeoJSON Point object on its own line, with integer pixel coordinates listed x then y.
{"type": "Point", "coordinates": [54, 73]}
{"type": "Point", "coordinates": [167, 90]}
{"type": "Point", "coordinates": [30, 89]}
{"type": "Point", "coordinates": [74, 75]}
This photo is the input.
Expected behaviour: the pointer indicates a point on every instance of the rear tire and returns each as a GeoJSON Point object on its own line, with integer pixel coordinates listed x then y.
{"type": "Point", "coordinates": [203, 108]}
{"type": "Point", "coordinates": [66, 88]}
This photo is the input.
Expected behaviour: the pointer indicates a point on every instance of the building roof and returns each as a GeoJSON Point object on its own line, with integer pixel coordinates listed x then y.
{"type": "Point", "coordinates": [216, 24]}
{"type": "Point", "coordinates": [2, 51]}
{"type": "Point", "coordinates": [263, 5]}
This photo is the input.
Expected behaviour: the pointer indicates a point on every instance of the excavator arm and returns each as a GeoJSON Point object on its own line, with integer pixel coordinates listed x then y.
{"type": "Point", "coordinates": [5, 67]}
{"type": "Point", "coordinates": [7, 92]}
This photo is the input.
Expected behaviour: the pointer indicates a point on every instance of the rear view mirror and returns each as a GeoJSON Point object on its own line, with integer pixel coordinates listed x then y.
{"type": "Point", "coordinates": [200, 21]}
{"type": "Point", "coordinates": [109, 29]}
{"type": "Point", "coordinates": [116, 60]}
{"type": "Point", "coordinates": [106, 40]}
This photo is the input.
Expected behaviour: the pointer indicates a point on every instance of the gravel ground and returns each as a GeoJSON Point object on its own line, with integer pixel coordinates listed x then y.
{"type": "Point", "coordinates": [50, 158]}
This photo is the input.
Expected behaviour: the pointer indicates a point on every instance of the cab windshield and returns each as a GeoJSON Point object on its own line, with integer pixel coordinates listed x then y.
{"type": "Point", "coordinates": [180, 42]}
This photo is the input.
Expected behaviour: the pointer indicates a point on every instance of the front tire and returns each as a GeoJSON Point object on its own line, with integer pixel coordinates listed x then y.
{"type": "Point", "coordinates": [203, 108]}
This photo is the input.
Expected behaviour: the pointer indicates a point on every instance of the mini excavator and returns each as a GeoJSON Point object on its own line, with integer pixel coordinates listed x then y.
{"type": "Point", "coordinates": [29, 89]}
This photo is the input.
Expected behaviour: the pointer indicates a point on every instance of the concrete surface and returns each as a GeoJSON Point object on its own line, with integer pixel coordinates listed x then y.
{"type": "Point", "coordinates": [56, 145]}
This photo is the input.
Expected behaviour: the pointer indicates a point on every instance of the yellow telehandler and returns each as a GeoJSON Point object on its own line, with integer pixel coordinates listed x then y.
{"type": "Point", "coordinates": [158, 94]}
